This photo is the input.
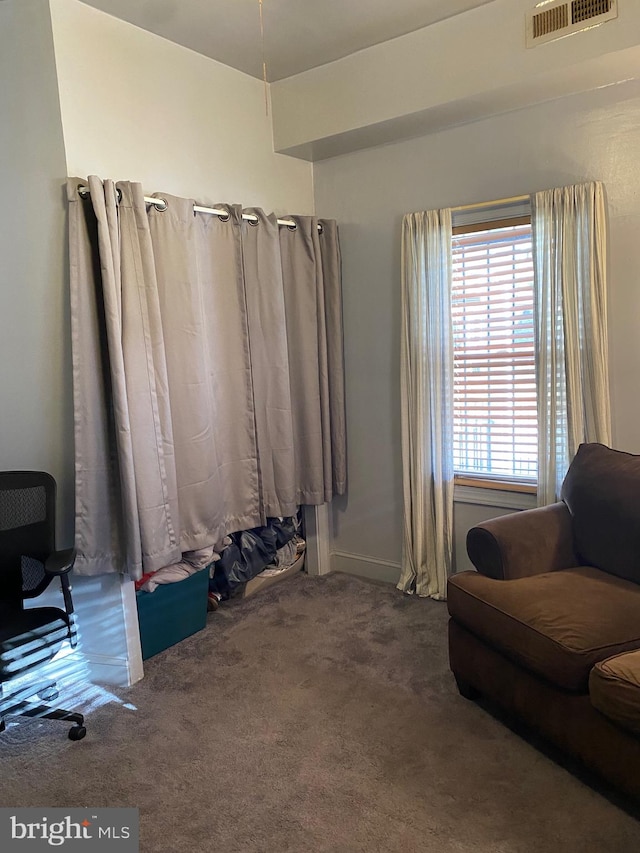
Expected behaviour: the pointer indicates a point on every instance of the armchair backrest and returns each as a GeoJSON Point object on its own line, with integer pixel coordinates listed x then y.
{"type": "Point", "coordinates": [602, 492]}
{"type": "Point", "coordinates": [27, 534]}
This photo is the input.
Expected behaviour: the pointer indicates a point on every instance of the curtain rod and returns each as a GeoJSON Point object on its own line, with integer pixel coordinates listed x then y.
{"type": "Point", "coordinates": [494, 203]}
{"type": "Point", "coordinates": [161, 204]}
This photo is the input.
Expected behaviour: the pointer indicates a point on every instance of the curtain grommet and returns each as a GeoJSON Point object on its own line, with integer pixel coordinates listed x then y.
{"type": "Point", "coordinates": [320, 228]}
{"type": "Point", "coordinates": [293, 227]}
{"type": "Point", "coordinates": [253, 222]}
{"type": "Point", "coordinates": [83, 191]}
{"type": "Point", "coordinates": [161, 205]}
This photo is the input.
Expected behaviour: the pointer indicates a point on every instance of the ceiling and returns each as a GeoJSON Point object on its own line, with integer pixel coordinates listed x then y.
{"type": "Point", "coordinates": [299, 34]}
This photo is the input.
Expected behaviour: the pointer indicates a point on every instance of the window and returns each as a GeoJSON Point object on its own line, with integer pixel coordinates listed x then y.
{"type": "Point", "coordinates": [495, 412]}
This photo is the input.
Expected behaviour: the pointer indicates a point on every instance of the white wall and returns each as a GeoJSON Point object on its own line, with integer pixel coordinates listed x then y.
{"type": "Point", "coordinates": [35, 369]}
{"type": "Point", "coordinates": [36, 409]}
{"type": "Point", "coordinates": [590, 136]}
{"type": "Point", "coordinates": [137, 107]}
{"type": "Point", "coordinates": [460, 69]}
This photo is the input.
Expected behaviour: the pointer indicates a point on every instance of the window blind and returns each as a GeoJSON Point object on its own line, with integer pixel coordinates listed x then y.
{"type": "Point", "coordinates": [495, 413]}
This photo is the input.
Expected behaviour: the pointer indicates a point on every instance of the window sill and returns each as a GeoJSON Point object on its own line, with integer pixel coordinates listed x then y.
{"type": "Point", "coordinates": [469, 491]}
{"type": "Point", "coordinates": [498, 485]}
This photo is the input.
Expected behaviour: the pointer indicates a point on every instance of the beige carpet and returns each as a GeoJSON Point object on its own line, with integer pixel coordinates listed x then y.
{"type": "Point", "coordinates": [318, 716]}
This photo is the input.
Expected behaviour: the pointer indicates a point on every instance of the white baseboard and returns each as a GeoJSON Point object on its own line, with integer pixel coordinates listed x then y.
{"type": "Point", "coordinates": [365, 567]}
{"type": "Point", "coordinates": [108, 670]}
{"type": "Point", "coordinates": [135, 669]}
{"type": "Point", "coordinates": [318, 536]}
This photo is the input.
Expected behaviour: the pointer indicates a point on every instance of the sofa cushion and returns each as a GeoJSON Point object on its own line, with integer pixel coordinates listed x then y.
{"type": "Point", "coordinates": [557, 624]}
{"type": "Point", "coordinates": [614, 689]}
{"type": "Point", "coordinates": [602, 492]}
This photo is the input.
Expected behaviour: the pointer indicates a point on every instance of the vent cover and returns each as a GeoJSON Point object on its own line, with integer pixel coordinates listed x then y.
{"type": "Point", "coordinates": [558, 18]}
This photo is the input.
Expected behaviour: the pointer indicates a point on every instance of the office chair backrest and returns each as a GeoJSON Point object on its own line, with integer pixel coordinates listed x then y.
{"type": "Point", "coordinates": [27, 534]}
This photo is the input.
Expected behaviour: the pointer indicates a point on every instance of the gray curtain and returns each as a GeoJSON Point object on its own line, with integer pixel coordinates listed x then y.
{"type": "Point", "coordinates": [126, 500]}
{"type": "Point", "coordinates": [313, 306]}
{"type": "Point", "coordinates": [190, 403]}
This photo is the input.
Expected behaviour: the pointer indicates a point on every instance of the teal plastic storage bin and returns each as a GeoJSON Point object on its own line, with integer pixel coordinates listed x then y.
{"type": "Point", "coordinates": [172, 612]}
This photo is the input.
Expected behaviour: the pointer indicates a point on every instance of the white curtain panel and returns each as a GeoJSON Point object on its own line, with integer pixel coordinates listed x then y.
{"type": "Point", "coordinates": [208, 374]}
{"type": "Point", "coordinates": [570, 260]}
{"type": "Point", "coordinates": [427, 403]}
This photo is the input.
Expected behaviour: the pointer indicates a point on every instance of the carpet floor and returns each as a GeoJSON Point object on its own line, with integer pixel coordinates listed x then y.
{"type": "Point", "coordinates": [319, 715]}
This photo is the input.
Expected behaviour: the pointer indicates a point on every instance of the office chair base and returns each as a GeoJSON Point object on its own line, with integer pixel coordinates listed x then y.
{"type": "Point", "coordinates": [27, 709]}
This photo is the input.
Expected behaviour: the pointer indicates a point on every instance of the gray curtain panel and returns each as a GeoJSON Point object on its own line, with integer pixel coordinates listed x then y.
{"type": "Point", "coordinates": [204, 314]}
{"type": "Point", "coordinates": [204, 401]}
{"type": "Point", "coordinates": [313, 308]}
{"type": "Point", "coordinates": [98, 535]}
{"type": "Point", "coordinates": [126, 497]}
{"type": "Point", "coordinates": [269, 363]}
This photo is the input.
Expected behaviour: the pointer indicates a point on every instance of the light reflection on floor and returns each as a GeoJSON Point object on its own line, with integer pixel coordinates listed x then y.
{"type": "Point", "coordinates": [68, 670]}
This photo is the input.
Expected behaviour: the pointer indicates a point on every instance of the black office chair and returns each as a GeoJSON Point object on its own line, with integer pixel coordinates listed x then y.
{"type": "Point", "coordinates": [30, 637]}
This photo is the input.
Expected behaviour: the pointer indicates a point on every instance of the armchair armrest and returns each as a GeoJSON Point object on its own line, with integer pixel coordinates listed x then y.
{"type": "Point", "coordinates": [524, 543]}
{"type": "Point", "coordinates": [60, 562]}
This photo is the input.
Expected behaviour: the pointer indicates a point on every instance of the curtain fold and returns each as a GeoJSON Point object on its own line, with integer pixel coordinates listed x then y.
{"type": "Point", "coordinates": [427, 403]}
{"type": "Point", "coordinates": [330, 259]}
{"type": "Point", "coordinates": [185, 359]}
{"type": "Point", "coordinates": [569, 237]}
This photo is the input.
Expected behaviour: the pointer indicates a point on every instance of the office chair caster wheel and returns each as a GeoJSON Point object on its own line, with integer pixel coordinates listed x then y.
{"type": "Point", "coordinates": [77, 733]}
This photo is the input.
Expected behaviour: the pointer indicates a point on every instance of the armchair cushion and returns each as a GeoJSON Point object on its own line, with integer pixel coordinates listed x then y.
{"type": "Point", "coordinates": [614, 689]}
{"type": "Point", "coordinates": [602, 491]}
{"type": "Point", "coordinates": [558, 624]}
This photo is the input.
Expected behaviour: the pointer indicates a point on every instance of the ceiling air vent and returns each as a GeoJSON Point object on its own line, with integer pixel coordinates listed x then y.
{"type": "Point", "coordinates": [558, 18]}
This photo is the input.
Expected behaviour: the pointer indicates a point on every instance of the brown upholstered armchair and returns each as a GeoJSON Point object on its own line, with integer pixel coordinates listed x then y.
{"type": "Point", "coordinates": [548, 628]}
